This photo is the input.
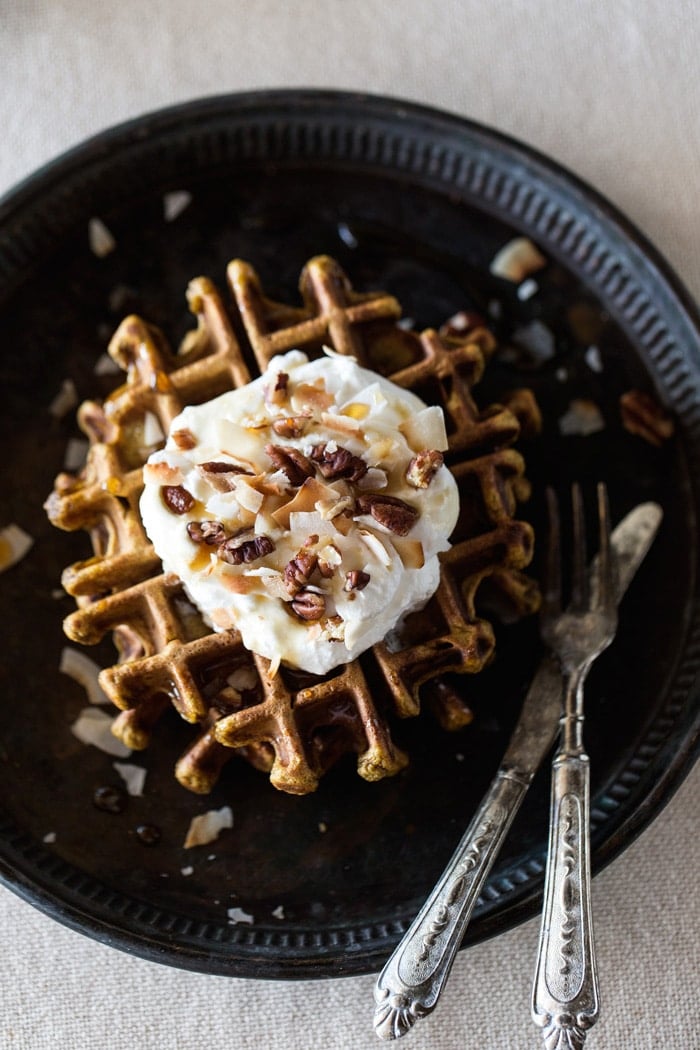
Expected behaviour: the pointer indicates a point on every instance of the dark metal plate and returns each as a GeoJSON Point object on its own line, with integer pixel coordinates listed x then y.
{"type": "Point", "coordinates": [415, 202]}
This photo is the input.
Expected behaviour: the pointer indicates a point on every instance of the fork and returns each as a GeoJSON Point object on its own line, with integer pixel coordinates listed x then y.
{"type": "Point", "coordinates": [565, 1001]}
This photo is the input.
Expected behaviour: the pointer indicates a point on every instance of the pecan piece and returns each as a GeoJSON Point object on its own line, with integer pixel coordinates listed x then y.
{"type": "Point", "coordinates": [219, 467]}
{"type": "Point", "coordinates": [290, 426]}
{"type": "Point", "coordinates": [642, 415]}
{"type": "Point", "coordinates": [292, 462]}
{"type": "Point", "coordinates": [250, 550]}
{"type": "Point", "coordinates": [277, 394]}
{"type": "Point", "coordinates": [309, 605]}
{"type": "Point", "coordinates": [338, 463]}
{"type": "Point", "coordinates": [184, 439]}
{"type": "Point", "coordinates": [423, 468]}
{"type": "Point", "coordinates": [393, 513]}
{"type": "Point", "coordinates": [299, 570]}
{"type": "Point", "coordinates": [210, 532]}
{"type": "Point", "coordinates": [356, 580]}
{"type": "Point", "coordinates": [177, 499]}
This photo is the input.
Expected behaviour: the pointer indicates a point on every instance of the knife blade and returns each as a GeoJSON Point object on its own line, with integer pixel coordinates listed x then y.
{"type": "Point", "coordinates": [412, 979]}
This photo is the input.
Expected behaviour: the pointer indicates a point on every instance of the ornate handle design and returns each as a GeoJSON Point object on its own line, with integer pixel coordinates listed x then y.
{"type": "Point", "coordinates": [411, 982]}
{"type": "Point", "coordinates": [565, 993]}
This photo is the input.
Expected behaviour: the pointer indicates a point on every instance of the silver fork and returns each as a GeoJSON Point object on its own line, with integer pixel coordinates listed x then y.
{"type": "Point", "coordinates": [565, 994]}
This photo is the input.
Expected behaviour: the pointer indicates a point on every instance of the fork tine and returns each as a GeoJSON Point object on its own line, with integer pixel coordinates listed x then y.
{"type": "Point", "coordinates": [551, 597]}
{"type": "Point", "coordinates": [579, 585]}
{"type": "Point", "coordinates": [606, 562]}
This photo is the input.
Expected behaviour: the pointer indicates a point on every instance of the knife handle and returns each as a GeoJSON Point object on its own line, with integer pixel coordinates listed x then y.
{"type": "Point", "coordinates": [565, 993]}
{"type": "Point", "coordinates": [410, 984]}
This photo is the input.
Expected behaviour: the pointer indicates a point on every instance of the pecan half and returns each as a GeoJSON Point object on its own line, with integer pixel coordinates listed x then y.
{"type": "Point", "coordinates": [356, 580]}
{"type": "Point", "coordinates": [219, 467]}
{"type": "Point", "coordinates": [250, 550]}
{"type": "Point", "coordinates": [389, 511]}
{"type": "Point", "coordinates": [299, 570]}
{"type": "Point", "coordinates": [212, 533]}
{"type": "Point", "coordinates": [423, 468]}
{"type": "Point", "coordinates": [644, 416]}
{"type": "Point", "coordinates": [177, 499]}
{"type": "Point", "coordinates": [292, 462]}
{"type": "Point", "coordinates": [308, 605]}
{"type": "Point", "coordinates": [338, 463]}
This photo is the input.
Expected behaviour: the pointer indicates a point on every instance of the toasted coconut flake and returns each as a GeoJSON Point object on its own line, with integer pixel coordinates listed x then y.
{"type": "Point", "coordinates": [162, 474]}
{"type": "Point", "coordinates": [310, 396]}
{"type": "Point", "coordinates": [207, 826]}
{"type": "Point", "coordinates": [152, 430]}
{"type": "Point", "coordinates": [14, 544]}
{"type": "Point", "coordinates": [305, 499]}
{"type": "Point", "coordinates": [356, 410]}
{"type": "Point", "coordinates": [236, 915]}
{"type": "Point", "coordinates": [426, 429]}
{"type": "Point", "coordinates": [100, 238]}
{"type": "Point", "coordinates": [582, 418]}
{"type": "Point", "coordinates": [238, 583]}
{"type": "Point", "coordinates": [374, 479]}
{"type": "Point", "coordinates": [94, 726]}
{"type": "Point", "coordinates": [106, 366]}
{"type": "Point", "coordinates": [85, 672]}
{"type": "Point", "coordinates": [411, 552]}
{"type": "Point", "coordinates": [65, 400]}
{"type": "Point", "coordinates": [344, 423]}
{"type": "Point", "coordinates": [247, 496]}
{"type": "Point", "coordinates": [243, 678]}
{"type": "Point", "coordinates": [517, 260]}
{"type": "Point", "coordinates": [75, 455]}
{"type": "Point", "coordinates": [133, 776]}
{"type": "Point", "coordinates": [375, 546]}
{"type": "Point", "coordinates": [175, 203]}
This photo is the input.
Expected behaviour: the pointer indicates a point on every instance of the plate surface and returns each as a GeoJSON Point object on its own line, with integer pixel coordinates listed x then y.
{"type": "Point", "coordinates": [417, 203]}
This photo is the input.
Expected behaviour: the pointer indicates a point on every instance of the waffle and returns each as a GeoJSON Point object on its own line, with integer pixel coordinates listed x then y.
{"type": "Point", "coordinates": [292, 725]}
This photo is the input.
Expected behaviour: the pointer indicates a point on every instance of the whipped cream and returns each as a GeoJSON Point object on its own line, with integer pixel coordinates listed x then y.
{"type": "Point", "coordinates": [306, 509]}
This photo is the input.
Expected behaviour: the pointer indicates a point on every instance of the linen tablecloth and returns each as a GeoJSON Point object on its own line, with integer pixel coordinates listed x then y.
{"type": "Point", "coordinates": [611, 91]}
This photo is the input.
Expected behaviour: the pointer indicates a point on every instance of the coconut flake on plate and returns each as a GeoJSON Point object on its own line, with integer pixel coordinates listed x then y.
{"type": "Point", "coordinates": [517, 259]}
{"type": "Point", "coordinates": [582, 418]}
{"type": "Point", "coordinates": [106, 366]}
{"type": "Point", "coordinates": [14, 544]}
{"type": "Point", "coordinates": [133, 776]}
{"type": "Point", "coordinates": [206, 827]}
{"type": "Point", "coordinates": [85, 672]}
{"type": "Point", "coordinates": [236, 915]}
{"type": "Point", "coordinates": [101, 239]}
{"type": "Point", "coordinates": [94, 726]}
{"type": "Point", "coordinates": [346, 235]}
{"type": "Point", "coordinates": [65, 400]}
{"type": "Point", "coordinates": [593, 358]}
{"type": "Point", "coordinates": [278, 912]}
{"type": "Point", "coordinates": [75, 454]}
{"type": "Point", "coordinates": [527, 289]}
{"type": "Point", "coordinates": [49, 838]}
{"type": "Point", "coordinates": [537, 339]}
{"type": "Point", "coordinates": [174, 203]}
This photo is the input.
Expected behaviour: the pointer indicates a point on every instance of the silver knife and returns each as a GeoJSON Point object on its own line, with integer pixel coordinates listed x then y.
{"type": "Point", "coordinates": [410, 984]}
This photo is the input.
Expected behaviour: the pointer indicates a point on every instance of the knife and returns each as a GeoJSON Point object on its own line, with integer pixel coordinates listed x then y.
{"type": "Point", "coordinates": [412, 980]}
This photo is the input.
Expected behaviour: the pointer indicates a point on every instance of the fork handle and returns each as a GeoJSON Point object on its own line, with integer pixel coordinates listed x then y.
{"type": "Point", "coordinates": [565, 993]}
{"type": "Point", "coordinates": [410, 984]}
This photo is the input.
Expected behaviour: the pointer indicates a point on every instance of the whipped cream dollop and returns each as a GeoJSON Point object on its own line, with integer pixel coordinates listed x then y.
{"type": "Point", "coordinates": [306, 509]}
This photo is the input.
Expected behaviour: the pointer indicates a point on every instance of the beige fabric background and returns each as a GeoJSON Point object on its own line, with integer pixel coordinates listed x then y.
{"type": "Point", "coordinates": [613, 92]}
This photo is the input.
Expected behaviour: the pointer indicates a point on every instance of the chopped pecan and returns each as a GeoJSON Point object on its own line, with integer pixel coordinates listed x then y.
{"type": "Point", "coordinates": [210, 532]}
{"type": "Point", "coordinates": [309, 605]}
{"type": "Point", "coordinates": [423, 468]}
{"type": "Point", "coordinates": [356, 580]}
{"type": "Point", "coordinates": [644, 416]}
{"type": "Point", "coordinates": [338, 462]}
{"type": "Point", "coordinates": [250, 550]}
{"type": "Point", "coordinates": [177, 499]}
{"type": "Point", "coordinates": [299, 570]}
{"type": "Point", "coordinates": [393, 513]}
{"type": "Point", "coordinates": [184, 439]}
{"type": "Point", "coordinates": [292, 462]}
{"type": "Point", "coordinates": [219, 467]}
{"type": "Point", "coordinates": [277, 394]}
{"type": "Point", "coordinates": [290, 426]}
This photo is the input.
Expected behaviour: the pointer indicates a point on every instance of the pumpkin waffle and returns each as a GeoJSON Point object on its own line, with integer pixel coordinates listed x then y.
{"type": "Point", "coordinates": [291, 724]}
